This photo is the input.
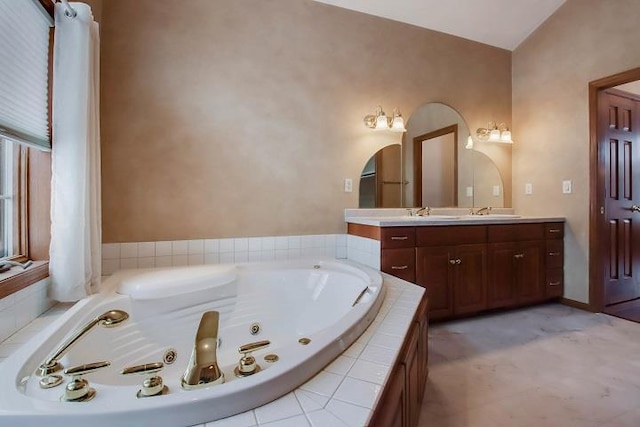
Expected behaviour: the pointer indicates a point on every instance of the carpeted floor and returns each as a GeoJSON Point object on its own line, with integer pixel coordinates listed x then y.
{"type": "Point", "coordinates": [550, 365]}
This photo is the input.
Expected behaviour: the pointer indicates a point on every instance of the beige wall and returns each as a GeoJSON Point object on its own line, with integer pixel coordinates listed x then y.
{"type": "Point", "coordinates": [242, 118]}
{"type": "Point", "coordinates": [583, 41]}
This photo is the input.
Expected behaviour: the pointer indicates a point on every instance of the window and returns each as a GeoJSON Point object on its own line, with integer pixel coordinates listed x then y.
{"type": "Point", "coordinates": [25, 173]}
{"type": "Point", "coordinates": [12, 199]}
{"type": "Point", "coordinates": [24, 112]}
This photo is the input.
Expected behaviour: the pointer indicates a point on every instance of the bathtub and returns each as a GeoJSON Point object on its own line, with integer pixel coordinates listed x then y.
{"type": "Point", "coordinates": [310, 311]}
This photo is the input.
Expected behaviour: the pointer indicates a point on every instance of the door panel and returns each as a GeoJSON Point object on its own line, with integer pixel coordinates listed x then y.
{"type": "Point", "coordinates": [470, 279]}
{"type": "Point", "coordinates": [433, 271]}
{"type": "Point", "coordinates": [621, 235]}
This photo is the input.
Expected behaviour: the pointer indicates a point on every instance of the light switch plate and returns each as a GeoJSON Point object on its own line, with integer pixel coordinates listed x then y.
{"type": "Point", "coordinates": [566, 187]}
{"type": "Point", "coordinates": [496, 190]}
{"type": "Point", "coordinates": [528, 188]}
{"type": "Point", "coordinates": [469, 191]}
{"type": "Point", "coordinates": [348, 185]}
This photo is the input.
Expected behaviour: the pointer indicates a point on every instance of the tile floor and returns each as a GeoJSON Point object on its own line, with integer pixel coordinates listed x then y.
{"type": "Point", "coordinates": [549, 365]}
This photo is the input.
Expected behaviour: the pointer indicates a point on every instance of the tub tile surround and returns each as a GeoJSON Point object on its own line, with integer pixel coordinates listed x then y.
{"type": "Point", "coordinates": [117, 256]}
{"type": "Point", "coordinates": [342, 394]}
{"type": "Point", "coordinates": [20, 308]}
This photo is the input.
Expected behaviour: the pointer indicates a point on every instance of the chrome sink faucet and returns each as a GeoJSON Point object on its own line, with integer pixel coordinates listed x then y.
{"type": "Point", "coordinates": [482, 211]}
{"type": "Point", "coordinates": [426, 211]}
{"type": "Point", "coordinates": [203, 370]}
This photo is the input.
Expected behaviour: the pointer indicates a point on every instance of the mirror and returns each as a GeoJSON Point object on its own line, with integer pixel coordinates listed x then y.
{"type": "Point", "coordinates": [439, 167]}
{"type": "Point", "coordinates": [380, 185]}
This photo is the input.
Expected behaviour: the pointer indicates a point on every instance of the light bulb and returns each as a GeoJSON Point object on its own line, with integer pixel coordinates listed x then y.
{"type": "Point", "coordinates": [398, 124]}
{"type": "Point", "coordinates": [505, 136]}
{"type": "Point", "coordinates": [494, 135]}
{"type": "Point", "coordinates": [469, 145]}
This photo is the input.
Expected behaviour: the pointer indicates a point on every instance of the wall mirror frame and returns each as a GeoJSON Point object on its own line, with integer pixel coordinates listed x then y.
{"type": "Point", "coordinates": [476, 180]}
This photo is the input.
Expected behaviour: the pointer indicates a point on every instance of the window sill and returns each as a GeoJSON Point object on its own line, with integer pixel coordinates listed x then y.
{"type": "Point", "coordinates": [16, 279]}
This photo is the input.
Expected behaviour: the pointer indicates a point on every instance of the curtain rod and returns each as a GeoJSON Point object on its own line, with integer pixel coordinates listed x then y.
{"type": "Point", "coordinates": [70, 12]}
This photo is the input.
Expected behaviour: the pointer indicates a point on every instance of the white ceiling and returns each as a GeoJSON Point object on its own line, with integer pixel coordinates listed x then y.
{"type": "Point", "coordinates": [501, 23]}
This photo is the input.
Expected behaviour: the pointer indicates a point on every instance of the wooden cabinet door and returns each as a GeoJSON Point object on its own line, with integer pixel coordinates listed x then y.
{"type": "Point", "coordinates": [433, 271]}
{"type": "Point", "coordinates": [469, 279]}
{"type": "Point", "coordinates": [501, 275]}
{"type": "Point", "coordinates": [391, 411]}
{"type": "Point", "coordinates": [423, 347]}
{"type": "Point", "coordinates": [530, 283]}
{"type": "Point", "coordinates": [412, 379]}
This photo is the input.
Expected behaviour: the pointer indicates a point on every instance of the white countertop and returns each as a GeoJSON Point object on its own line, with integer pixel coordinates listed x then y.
{"type": "Point", "coordinates": [454, 216]}
{"type": "Point", "coordinates": [409, 221]}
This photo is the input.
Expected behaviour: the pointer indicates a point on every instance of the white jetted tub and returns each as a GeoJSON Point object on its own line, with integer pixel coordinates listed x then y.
{"type": "Point", "coordinates": [308, 311]}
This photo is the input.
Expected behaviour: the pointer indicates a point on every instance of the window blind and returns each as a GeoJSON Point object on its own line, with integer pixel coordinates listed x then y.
{"type": "Point", "coordinates": [24, 65]}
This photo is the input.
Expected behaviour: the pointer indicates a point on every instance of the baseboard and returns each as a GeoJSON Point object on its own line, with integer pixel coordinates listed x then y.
{"type": "Point", "coordinates": [579, 305]}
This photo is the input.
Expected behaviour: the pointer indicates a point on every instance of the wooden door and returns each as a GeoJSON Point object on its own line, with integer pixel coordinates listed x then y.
{"type": "Point", "coordinates": [433, 271]}
{"type": "Point", "coordinates": [619, 147]}
{"type": "Point", "coordinates": [470, 280]}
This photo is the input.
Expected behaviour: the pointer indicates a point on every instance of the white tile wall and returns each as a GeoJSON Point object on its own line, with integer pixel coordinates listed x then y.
{"type": "Point", "coordinates": [363, 250]}
{"type": "Point", "coordinates": [20, 308]}
{"type": "Point", "coordinates": [117, 256]}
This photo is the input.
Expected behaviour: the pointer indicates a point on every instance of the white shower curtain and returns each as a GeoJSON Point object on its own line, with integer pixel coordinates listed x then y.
{"type": "Point", "coordinates": [75, 255]}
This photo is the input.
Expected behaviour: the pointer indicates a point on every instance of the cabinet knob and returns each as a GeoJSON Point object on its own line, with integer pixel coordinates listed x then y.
{"type": "Point", "coordinates": [458, 261]}
{"type": "Point", "coordinates": [399, 267]}
{"type": "Point", "coordinates": [399, 237]}
{"type": "Point", "coordinates": [554, 283]}
{"type": "Point", "coordinates": [554, 253]}
{"type": "Point", "coordinates": [518, 256]}
{"type": "Point", "coordinates": [452, 261]}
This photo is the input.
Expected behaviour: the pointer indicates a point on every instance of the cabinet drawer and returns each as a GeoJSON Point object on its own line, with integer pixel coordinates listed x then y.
{"type": "Point", "coordinates": [451, 235]}
{"type": "Point", "coordinates": [397, 237]}
{"type": "Point", "coordinates": [555, 283]}
{"type": "Point", "coordinates": [555, 254]}
{"type": "Point", "coordinates": [400, 263]}
{"type": "Point", "coordinates": [515, 232]}
{"type": "Point", "coordinates": [554, 230]}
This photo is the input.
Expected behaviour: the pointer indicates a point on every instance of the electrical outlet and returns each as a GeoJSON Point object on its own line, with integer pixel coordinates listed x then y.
{"type": "Point", "coordinates": [566, 187]}
{"type": "Point", "coordinates": [348, 185]}
{"type": "Point", "coordinates": [528, 188]}
{"type": "Point", "coordinates": [496, 190]}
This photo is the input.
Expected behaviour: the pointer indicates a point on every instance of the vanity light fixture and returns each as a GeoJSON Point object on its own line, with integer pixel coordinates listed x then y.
{"type": "Point", "coordinates": [495, 133]}
{"type": "Point", "coordinates": [380, 121]}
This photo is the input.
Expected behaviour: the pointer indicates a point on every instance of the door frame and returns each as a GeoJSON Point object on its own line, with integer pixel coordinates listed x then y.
{"type": "Point", "coordinates": [596, 187]}
{"type": "Point", "coordinates": [417, 161]}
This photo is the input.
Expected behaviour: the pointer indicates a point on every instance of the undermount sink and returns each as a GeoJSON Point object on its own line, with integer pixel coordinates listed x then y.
{"type": "Point", "coordinates": [418, 218]}
{"type": "Point", "coordinates": [490, 216]}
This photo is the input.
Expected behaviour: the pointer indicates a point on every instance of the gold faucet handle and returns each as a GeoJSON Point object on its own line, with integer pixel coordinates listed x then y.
{"type": "Point", "coordinates": [144, 369]}
{"type": "Point", "coordinates": [80, 370]}
{"type": "Point", "coordinates": [248, 365]}
{"type": "Point", "coordinates": [78, 390]}
{"type": "Point", "coordinates": [254, 346]}
{"type": "Point", "coordinates": [153, 384]}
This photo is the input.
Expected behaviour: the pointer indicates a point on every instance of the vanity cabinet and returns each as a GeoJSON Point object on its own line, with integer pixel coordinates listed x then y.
{"type": "Point", "coordinates": [467, 269]}
{"type": "Point", "coordinates": [401, 399]}
{"type": "Point", "coordinates": [451, 265]}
